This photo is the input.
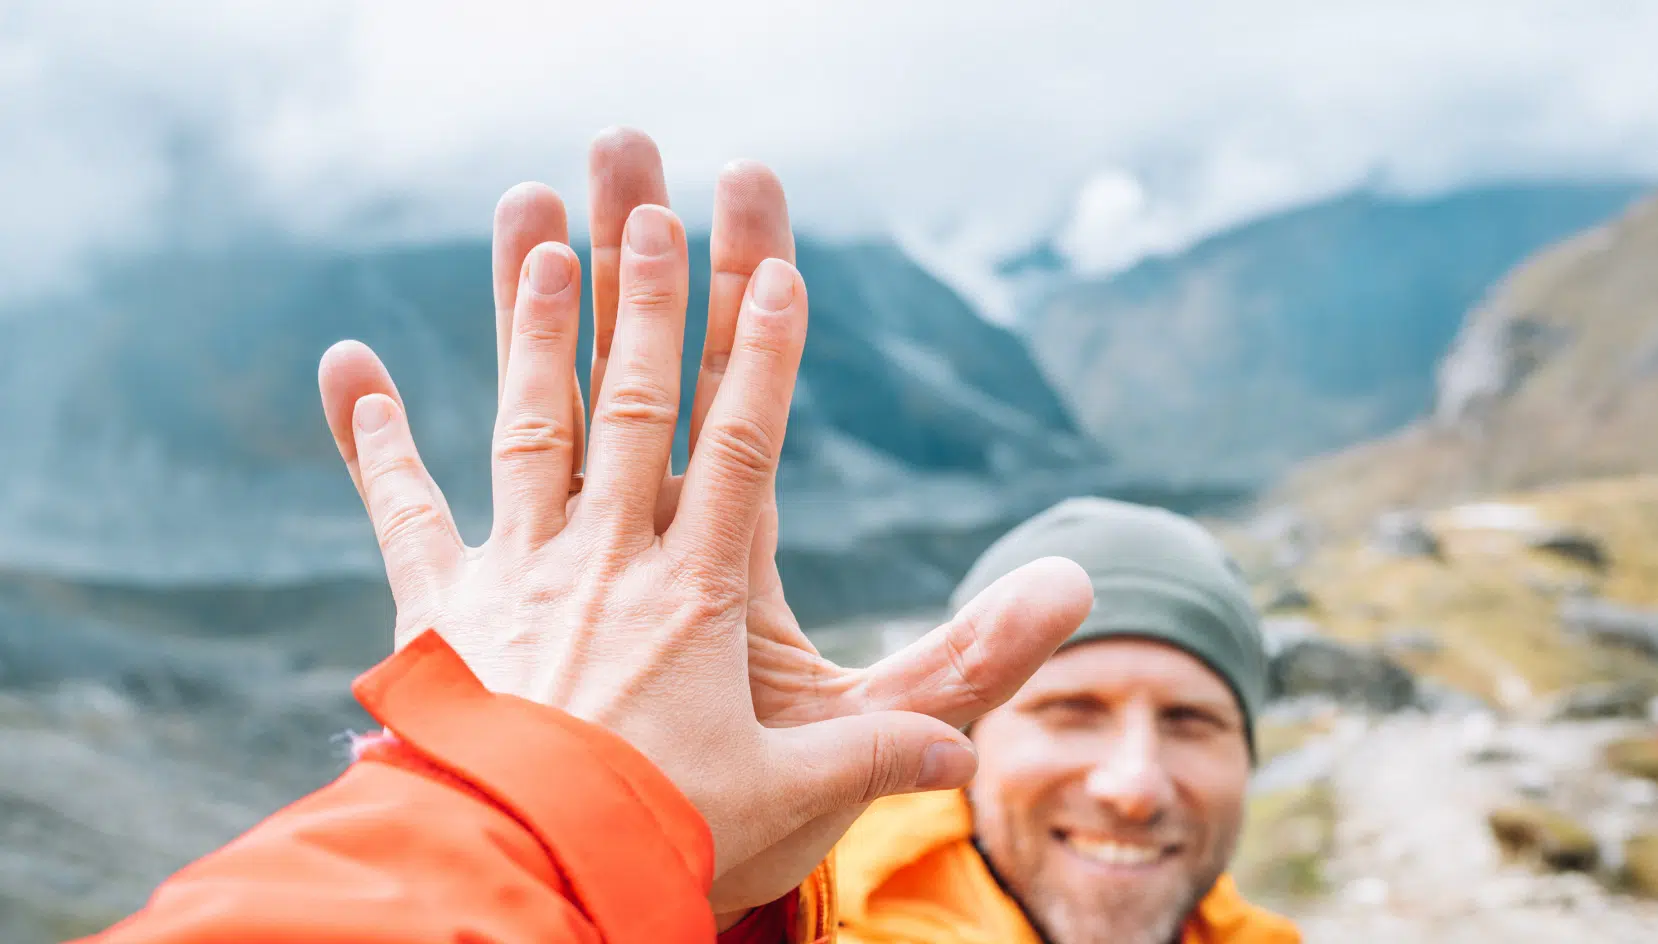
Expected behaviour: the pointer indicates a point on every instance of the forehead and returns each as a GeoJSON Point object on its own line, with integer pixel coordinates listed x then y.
{"type": "Point", "coordinates": [1120, 667]}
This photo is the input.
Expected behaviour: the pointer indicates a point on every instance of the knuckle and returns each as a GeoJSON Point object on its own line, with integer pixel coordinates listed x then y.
{"type": "Point", "coordinates": [742, 447]}
{"type": "Point", "coordinates": [652, 296]}
{"type": "Point", "coordinates": [711, 588]}
{"type": "Point", "coordinates": [766, 343]}
{"type": "Point", "coordinates": [639, 402]}
{"type": "Point", "coordinates": [403, 522]}
{"type": "Point", "coordinates": [378, 469]}
{"type": "Point", "coordinates": [963, 646]}
{"type": "Point", "coordinates": [884, 776]}
{"type": "Point", "coordinates": [530, 435]}
{"type": "Point", "coordinates": [546, 335]}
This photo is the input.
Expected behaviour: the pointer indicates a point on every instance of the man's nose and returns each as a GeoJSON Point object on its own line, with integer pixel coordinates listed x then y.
{"type": "Point", "coordinates": [1129, 777]}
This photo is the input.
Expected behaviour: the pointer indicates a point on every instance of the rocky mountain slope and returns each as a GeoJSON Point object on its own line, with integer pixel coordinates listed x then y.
{"type": "Point", "coordinates": [1517, 522]}
{"type": "Point", "coordinates": [1553, 378]}
{"type": "Point", "coordinates": [1292, 335]}
{"type": "Point", "coordinates": [1503, 547]}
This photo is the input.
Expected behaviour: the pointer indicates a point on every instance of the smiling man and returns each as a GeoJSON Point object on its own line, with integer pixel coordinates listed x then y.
{"type": "Point", "coordinates": [1110, 790]}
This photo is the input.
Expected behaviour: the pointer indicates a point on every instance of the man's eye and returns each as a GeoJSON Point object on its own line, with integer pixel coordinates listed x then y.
{"type": "Point", "coordinates": [1068, 711]}
{"type": "Point", "coordinates": [1192, 721]}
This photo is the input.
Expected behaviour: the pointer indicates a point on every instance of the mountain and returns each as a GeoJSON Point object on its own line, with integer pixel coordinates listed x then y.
{"type": "Point", "coordinates": [1293, 335]}
{"type": "Point", "coordinates": [166, 459]}
{"type": "Point", "coordinates": [1528, 491]}
{"type": "Point", "coordinates": [1552, 379]}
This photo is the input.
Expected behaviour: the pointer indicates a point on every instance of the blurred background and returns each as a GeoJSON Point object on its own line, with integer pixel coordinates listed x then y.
{"type": "Point", "coordinates": [1371, 289]}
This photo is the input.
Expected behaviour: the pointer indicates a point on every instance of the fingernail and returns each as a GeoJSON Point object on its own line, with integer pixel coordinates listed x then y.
{"type": "Point", "coordinates": [946, 764]}
{"type": "Point", "coordinates": [649, 231]}
{"type": "Point", "coordinates": [773, 285]}
{"type": "Point", "coordinates": [373, 413]}
{"type": "Point", "coordinates": [549, 270]}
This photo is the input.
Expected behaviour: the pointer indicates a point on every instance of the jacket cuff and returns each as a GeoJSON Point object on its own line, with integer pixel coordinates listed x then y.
{"type": "Point", "coordinates": [815, 916]}
{"type": "Point", "coordinates": [612, 823]}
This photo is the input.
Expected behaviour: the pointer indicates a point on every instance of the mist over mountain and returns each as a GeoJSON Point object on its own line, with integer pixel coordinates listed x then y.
{"type": "Point", "coordinates": [163, 428]}
{"type": "Point", "coordinates": [1292, 335]}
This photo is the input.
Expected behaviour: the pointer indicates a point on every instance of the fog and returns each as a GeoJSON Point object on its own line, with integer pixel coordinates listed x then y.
{"type": "Point", "coordinates": [968, 128]}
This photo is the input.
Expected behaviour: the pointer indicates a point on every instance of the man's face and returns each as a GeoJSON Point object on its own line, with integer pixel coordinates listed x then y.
{"type": "Point", "coordinates": [1110, 790]}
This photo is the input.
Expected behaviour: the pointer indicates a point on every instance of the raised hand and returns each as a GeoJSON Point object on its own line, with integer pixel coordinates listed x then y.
{"type": "Point", "coordinates": [962, 669]}
{"type": "Point", "coordinates": [957, 672]}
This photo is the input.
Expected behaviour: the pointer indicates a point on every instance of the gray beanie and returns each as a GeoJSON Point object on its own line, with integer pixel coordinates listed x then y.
{"type": "Point", "coordinates": [1156, 575]}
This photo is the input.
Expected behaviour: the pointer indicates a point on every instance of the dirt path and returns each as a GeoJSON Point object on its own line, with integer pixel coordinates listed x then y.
{"type": "Point", "coordinates": [1414, 861]}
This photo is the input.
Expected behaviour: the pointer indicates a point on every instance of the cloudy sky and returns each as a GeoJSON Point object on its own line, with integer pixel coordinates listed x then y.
{"type": "Point", "coordinates": [968, 126]}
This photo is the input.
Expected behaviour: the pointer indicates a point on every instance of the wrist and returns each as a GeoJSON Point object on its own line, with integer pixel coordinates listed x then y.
{"type": "Point", "coordinates": [729, 920]}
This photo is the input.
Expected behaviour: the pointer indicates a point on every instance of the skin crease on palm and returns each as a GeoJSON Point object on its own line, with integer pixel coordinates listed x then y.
{"type": "Point", "coordinates": [964, 668]}
{"type": "Point", "coordinates": [1110, 790]}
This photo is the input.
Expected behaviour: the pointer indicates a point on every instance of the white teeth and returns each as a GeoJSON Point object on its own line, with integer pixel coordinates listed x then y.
{"type": "Point", "coordinates": [1114, 853]}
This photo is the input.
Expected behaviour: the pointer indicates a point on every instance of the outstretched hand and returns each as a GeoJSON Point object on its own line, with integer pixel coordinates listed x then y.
{"type": "Point", "coordinates": [648, 601]}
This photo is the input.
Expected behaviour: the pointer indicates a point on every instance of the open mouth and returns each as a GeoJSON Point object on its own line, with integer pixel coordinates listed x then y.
{"type": "Point", "coordinates": [1115, 853]}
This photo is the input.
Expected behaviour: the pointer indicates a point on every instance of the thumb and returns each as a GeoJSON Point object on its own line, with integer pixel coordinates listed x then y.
{"type": "Point", "coordinates": [853, 760]}
{"type": "Point", "coordinates": [979, 658]}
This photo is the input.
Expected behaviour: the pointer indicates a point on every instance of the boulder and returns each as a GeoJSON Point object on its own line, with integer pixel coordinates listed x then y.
{"type": "Point", "coordinates": [1547, 837]}
{"type": "Point", "coordinates": [1604, 700]}
{"type": "Point", "coordinates": [1288, 596]}
{"type": "Point", "coordinates": [1356, 675]}
{"type": "Point", "coordinates": [1404, 534]}
{"type": "Point", "coordinates": [1573, 545]}
{"type": "Point", "coordinates": [1614, 624]}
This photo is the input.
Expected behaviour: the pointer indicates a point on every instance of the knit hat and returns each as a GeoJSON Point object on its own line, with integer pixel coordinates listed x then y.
{"type": "Point", "coordinates": [1156, 575]}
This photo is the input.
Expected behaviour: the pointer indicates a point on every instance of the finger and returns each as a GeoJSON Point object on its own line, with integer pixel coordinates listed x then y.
{"type": "Point", "coordinates": [419, 543]}
{"type": "Point", "coordinates": [624, 172]}
{"type": "Point", "coordinates": [535, 428]}
{"type": "Point", "coordinates": [982, 656]}
{"type": "Point", "coordinates": [348, 372]}
{"type": "Point", "coordinates": [844, 762]}
{"type": "Point", "coordinates": [751, 224]}
{"type": "Point", "coordinates": [526, 216]}
{"type": "Point", "coordinates": [730, 475]}
{"type": "Point", "coordinates": [667, 502]}
{"type": "Point", "coordinates": [637, 409]}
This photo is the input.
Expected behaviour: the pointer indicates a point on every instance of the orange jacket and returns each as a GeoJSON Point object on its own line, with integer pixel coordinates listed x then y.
{"type": "Point", "coordinates": [487, 819]}
{"type": "Point", "coordinates": [908, 872]}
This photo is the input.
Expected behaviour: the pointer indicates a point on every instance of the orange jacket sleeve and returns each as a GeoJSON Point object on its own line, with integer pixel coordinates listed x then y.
{"type": "Point", "coordinates": [485, 819]}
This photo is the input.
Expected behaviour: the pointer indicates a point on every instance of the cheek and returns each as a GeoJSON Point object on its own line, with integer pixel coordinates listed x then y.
{"type": "Point", "coordinates": [1214, 785]}
{"type": "Point", "coordinates": [1020, 776]}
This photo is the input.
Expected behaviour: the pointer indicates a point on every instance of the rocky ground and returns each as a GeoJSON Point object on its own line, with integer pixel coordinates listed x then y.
{"type": "Point", "coordinates": [1465, 742]}
{"type": "Point", "coordinates": [1400, 846]}
{"type": "Point", "coordinates": [113, 780]}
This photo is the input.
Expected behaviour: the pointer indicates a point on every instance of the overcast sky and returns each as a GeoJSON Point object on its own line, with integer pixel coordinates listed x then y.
{"type": "Point", "coordinates": [1127, 128]}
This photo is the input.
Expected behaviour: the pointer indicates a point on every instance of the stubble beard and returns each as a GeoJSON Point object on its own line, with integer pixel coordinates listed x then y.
{"type": "Point", "coordinates": [1119, 917]}
{"type": "Point", "coordinates": [1065, 914]}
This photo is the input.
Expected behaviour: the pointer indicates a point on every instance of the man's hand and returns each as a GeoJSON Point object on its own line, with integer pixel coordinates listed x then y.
{"type": "Point", "coordinates": [957, 672]}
